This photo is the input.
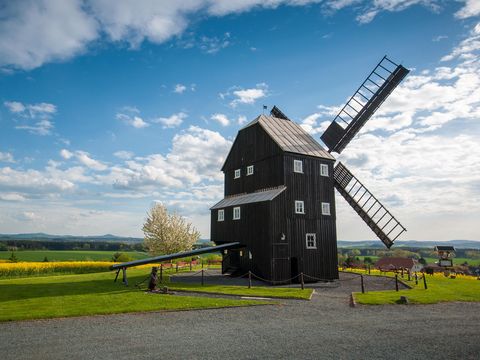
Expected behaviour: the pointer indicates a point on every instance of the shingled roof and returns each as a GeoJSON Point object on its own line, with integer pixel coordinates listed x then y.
{"type": "Point", "coordinates": [290, 136]}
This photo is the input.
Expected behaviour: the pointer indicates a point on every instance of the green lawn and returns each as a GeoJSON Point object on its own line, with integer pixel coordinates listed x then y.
{"type": "Point", "coordinates": [257, 291]}
{"type": "Point", "coordinates": [69, 255]}
{"type": "Point", "coordinates": [440, 289]}
{"type": "Point", "coordinates": [92, 294]}
{"type": "Point", "coordinates": [431, 260]}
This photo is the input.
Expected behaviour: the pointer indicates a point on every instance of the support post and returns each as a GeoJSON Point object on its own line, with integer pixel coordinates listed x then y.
{"type": "Point", "coordinates": [301, 281]}
{"type": "Point", "coordinates": [409, 275]}
{"type": "Point", "coordinates": [402, 272]}
{"type": "Point", "coordinates": [125, 280]}
{"type": "Point", "coordinates": [368, 269]}
{"type": "Point", "coordinates": [116, 276]}
{"type": "Point", "coordinates": [416, 278]}
{"type": "Point", "coordinates": [363, 285]}
{"type": "Point", "coordinates": [396, 282]}
{"type": "Point", "coordinates": [202, 262]}
{"type": "Point", "coordinates": [425, 282]}
{"type": "Point", "coordinates": [190, 265]}
{"type": "Point", "coordinates": [161, 272]}
{"type": "Point", "coordinates": [249, 279]}
{"type": "Point", "coordinates": [203, 281]}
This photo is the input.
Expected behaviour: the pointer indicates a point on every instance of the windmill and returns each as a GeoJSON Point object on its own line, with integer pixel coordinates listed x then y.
{"type": "Point", "coordinates": [378, 85]}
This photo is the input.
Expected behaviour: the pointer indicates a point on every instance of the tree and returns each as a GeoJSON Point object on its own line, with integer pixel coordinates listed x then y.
{"type": "Point", "coordinates": [13, 257]}
{"type": "Point", "coordinates": [167, 233]}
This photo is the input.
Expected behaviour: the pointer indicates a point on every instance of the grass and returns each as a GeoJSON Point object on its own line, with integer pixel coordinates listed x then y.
{"type": "Point", "coordinates": [440, 289]}
{"type": "Point", "coordinates": [92, 294]}
{"type": "Point", "coordinates": [431, 260]}
{"type": "Point", "coordinates": [256, 291]}
{"type": "Point", "coordinates": [69, 255]}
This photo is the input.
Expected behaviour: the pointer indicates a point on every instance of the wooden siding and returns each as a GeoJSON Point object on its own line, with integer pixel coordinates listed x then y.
{"type": "Point", "coordinates": [253, 147]}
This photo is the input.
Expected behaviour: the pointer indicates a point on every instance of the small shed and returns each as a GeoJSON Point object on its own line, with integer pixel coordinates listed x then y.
{"type": "Point", "coordinates": [395, 263]}
{"type": "Point", "coordinates": [445, 255]}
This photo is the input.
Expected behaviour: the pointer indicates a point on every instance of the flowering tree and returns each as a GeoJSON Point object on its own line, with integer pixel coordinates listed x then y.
{"type": "Point", "coordinates": [167, 233]}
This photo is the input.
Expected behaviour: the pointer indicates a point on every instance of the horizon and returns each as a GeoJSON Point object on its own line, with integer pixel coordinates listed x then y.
{"type": "Point", "coordinates": [103, 115]}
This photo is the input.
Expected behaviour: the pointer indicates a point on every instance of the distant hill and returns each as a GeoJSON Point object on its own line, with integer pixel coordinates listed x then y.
{"type": "Point", "coordinates": [460, 244]}
{"type": "Point", "coordinates": [48, 237]}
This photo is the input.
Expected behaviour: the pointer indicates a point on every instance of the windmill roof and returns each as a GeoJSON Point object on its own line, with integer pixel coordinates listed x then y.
{"type": "Point", "coordinates": [290, 136]}
{"type": "Point", "coordinates": [258, 196]}
{"type": "Point", "coordinates": [444, 248]}
{"type": "Point", "coordinates": [395, 263]}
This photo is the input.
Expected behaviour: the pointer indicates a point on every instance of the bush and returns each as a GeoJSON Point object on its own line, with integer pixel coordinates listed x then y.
{"type": "Point", "coordinates": [13, 258]}
{"type": "Point", "coordinates": [121, 257]}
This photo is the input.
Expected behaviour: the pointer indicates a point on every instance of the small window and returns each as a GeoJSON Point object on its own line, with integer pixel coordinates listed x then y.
{"type": "Point", "coordinates": [250, 170]}
{"type": "Point", "coordinates": [311, 241]}
{"type": "Point", "coordinates": [221, 215]}
{"type": "Point", "coordinates": [299, 208]}
{"type": "Point", "coordinates": [298, 166]}
{"type": "Point", "coordinates": [236, 213]}
{"type": "Point", "coordinates": [323, 169]}
{"type": "Point", "coordinates": [237, 174]}
{"type": "Point", "coordinates": [325, 208]}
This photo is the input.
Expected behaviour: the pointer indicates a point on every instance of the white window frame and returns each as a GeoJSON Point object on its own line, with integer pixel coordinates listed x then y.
{"type": "Point", "coordinates": [238, 173]}
{"type": "Point", "coordinates": [221, 215]}
{"type": "Point", "coordinates": [250, 170]}
{"type": "Point", "coordinates": [326, 208]}
{"type": "Point", "coordinates": [298, 166]}
{"type": "Point", "coordinates": [235, 217]}
{"type": "Point", "coordinates": [324, 170]}
{"type": "Point", "coordinates": [297, 204]}
{"type": "Point", "coordinates": [313, 237]}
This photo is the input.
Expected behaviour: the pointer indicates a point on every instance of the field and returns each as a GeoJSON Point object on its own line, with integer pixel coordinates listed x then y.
{"type": "Point", "coordinates": [431, 260]}
{"type": "Point", "coordinates": [439, 289]}
{"type": "Point", "coordinates": [69, 255]}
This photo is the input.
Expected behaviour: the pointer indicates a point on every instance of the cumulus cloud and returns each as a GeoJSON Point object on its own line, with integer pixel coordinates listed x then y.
{"type": "Point", "coordinates": [64, 153]}
{"type": "Point", "coordinates": [123, 154]}
{"type": "Point", "coordinates": [34, 32]}
{"type": "Point", "coordinates": [133, 120]}
{"type": "Point", "coordinates": [222, 119]}
{"type": "Point", "coordinates": [471, 8]}
{"type": "Point", "coordinates": [179, 89]}
{"type": "Point", "coordinates": [84, 158]}
{"type": "Point", "coordinates": [172, 121]}
{"type": "Point", "coordinates": [6, 157]}
{"type": "Point", "coordinates": [238, 95]}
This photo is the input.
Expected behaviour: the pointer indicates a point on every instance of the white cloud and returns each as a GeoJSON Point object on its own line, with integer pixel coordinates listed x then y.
{"type": "Point", "coordinates": [6, 157]}
{"type": "Point", "coordinates": [42, 112]}
{"type": "Point", "coordinates": [14, 106]}
{"type": "Point", "coordinates": [122, 154]}
{"type": "Point", "coordinates": [245, 96]}
{"type": "Point", "coordinates": [172, 121]}
{"type": "Point", "coordinates": [471, 8]}
{"type": "Point", "coordinates": [135, 121]}
{"type": "Point", "coordinates": [42, 127]}
{"type": "Point", "coordinates": [222, 119]}
{"type": "Point", "coordinates": [36, 32]}
{"type": "Point", "coordinates": [179, 89]}
{"type": "Point", "coordinates": [84, 158]}
{"type": "Point", "coordinates": [64, 153]}
{"type": "Point", "coordinates": [12, 197]}
{"type": "Point", "coordinates": [242, 119]}
{"type": "Point", "coordinates": [39, 31]}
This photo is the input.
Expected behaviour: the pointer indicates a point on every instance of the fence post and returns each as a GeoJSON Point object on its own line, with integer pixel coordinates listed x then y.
{"type": "Point", "coordinates": [402, 273]}
{"type": "Point", "coordinates": [425, 282]}
{"type": "Point", "coordinates": [125, 281]}
{"type": "Point", "coordinates": [368, 269]}
{"type": "Point", "coordinates": [409, 275]}
{"type": "Point", "coordinates": [202, 278]}
{"type": "Point", "coordinates": [416, 278]}
{"type": "Point", "coordinates": [161, 272]}
{"type": "Point", "coordinates": [249, 279]}
{"type": "Point", "coordinates": [301, 280]}
{"type": "Point", "coordinates": [396, 282]}
{"type": "Point", "coordinates": [363, 285]}
{"type": "Point", "coordinates": [190, 265]}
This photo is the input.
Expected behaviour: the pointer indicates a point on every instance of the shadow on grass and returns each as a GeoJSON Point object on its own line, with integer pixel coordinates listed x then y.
{"type": "Point", "coordinates": [32, 290]}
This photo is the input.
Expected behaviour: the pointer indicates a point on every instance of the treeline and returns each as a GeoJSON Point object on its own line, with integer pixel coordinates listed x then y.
{"type": "Point", "coordinates": [9, 245]}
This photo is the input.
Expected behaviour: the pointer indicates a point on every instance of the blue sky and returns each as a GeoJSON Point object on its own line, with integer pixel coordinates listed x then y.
{"type": "Point", "coordinates": [109, 106]}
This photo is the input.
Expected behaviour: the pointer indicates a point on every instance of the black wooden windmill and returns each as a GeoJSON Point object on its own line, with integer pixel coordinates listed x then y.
{"type": "Point", "coordinates": [279, 202]}
{"type": "Point", "coordinates": [359, 108]}
{"type": "Point", "coordinates": [277, 218]}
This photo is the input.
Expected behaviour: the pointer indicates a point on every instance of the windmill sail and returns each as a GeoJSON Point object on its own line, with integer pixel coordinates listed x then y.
{"type": "Point", "coordinates": [367, 206]}
{"type": "Point", "coordinates": [362, 105]}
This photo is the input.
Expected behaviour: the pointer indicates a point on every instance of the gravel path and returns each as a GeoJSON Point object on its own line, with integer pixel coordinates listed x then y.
{"type": "Point", "coordinates": [324, 328]}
